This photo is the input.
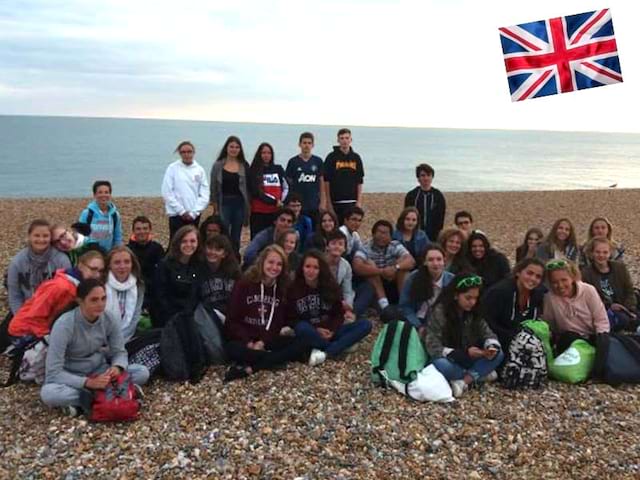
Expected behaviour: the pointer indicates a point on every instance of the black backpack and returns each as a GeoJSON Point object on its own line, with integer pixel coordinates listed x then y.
{"type": "Point", "coordinates": [181, 351]}
{"type": "Point", "coordinates": [526, 362]}
{"type": "Point", "coordinates": [617, 358]}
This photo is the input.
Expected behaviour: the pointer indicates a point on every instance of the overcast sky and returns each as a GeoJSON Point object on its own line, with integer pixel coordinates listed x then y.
{"type": "Point", "coordinates": [338, 62]}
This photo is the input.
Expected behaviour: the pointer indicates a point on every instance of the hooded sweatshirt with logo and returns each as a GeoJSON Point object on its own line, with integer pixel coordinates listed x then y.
{"type": "Point", "coordinates": [431, 210]}
{"type": "Point", "coordinates": [255, 312]}
{"type": "Point", "coordinates": [344, 172]}
{"type": "Point", "coordinates": [106, 228]}
{"type": "Point", "coordinates": [305, 304]}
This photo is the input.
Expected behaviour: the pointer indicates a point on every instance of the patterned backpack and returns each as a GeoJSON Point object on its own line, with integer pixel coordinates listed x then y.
{"type": "Point", "coordinates": [526, 363]}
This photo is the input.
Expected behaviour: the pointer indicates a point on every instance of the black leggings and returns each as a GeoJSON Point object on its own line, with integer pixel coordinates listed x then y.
{"type": "Point", "coordinates": [279, 351]}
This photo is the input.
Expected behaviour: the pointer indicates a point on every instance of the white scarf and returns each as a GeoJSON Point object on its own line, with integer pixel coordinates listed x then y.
{"type": "Point", "coordinates": [129, 289]}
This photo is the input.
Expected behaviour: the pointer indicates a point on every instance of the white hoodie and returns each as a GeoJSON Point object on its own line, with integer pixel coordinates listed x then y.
{"type": "Point", "coordinates": [185, 189]}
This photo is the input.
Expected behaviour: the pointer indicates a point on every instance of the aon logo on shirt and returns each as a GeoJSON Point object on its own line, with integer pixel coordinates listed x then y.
{"type": "Point", "coordinates": [307, 178]}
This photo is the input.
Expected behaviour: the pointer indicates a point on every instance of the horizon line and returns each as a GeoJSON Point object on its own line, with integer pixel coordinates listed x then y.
{"type": "Point", "coordinates": [109, 117]}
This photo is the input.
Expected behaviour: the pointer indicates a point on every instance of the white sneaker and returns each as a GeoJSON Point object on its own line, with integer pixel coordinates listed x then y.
{"type": "Point", "coordinates": [492, 377]}
{"type": "Point", "coordinates": [71, 411]}
{"type": "Point", "coordinates": [317, 357]}
{"type": "Point", "coordinates": [458, 387]}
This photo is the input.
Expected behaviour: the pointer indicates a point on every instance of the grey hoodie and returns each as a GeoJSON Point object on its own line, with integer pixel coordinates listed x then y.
{"type": "Point", "coordinates": [77, 348]}
{"type": "Point", "coordinates": [21, 277]}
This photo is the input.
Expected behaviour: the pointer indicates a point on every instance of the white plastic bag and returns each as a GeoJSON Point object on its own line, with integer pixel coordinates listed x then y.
{"type": "Point", "coordinates": [429, 386]}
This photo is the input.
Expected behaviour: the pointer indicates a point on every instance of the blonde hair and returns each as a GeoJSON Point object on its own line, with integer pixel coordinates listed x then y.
{"type": "Point", "coordinates": [255, 273]}
{"type": "Point", "coordinates": [136, 271]}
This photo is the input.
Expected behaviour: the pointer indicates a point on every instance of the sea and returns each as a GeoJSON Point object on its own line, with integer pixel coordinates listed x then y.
{"type": "Point", "coordinates": [62, 156]}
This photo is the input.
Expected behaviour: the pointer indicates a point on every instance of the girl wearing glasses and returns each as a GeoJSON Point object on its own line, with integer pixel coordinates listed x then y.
{"type": "Point", "coordinates": [54, 296]}
{"type": "Point", "coordinates": [463, 347]}
{"type": "Point", "coordinates": [185, 189]}
{"type": "Point", "coordinates": [34, 264]}
{"type": "Point", "coordinates": [515, 299]}
{"type": "Point", "coordinates": [572, 308]}
{"type": "Point", "coordinates": [560, 243]}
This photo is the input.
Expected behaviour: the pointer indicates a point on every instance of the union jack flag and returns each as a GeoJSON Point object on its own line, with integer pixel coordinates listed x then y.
{"type": "Point", "coordinates": [560, 55]}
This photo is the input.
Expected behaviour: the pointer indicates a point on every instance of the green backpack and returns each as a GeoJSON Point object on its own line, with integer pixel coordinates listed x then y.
{"type": "Point", "coordinates": [398, 352]}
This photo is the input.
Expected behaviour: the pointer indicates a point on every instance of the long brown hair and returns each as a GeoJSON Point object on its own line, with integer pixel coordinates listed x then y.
{"type": "Point", "coordinates": [328, 287]}
{"type": "Point", "coordinates": [255, 273]}
{"type": "Point", "coordinates": [174, 253]}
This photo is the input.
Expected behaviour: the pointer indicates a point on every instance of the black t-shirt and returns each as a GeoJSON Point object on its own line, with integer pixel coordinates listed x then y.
{"type": "Point", "coordinates": [304, 179]}
{"type": "Point", "coordinates": [606, 288]}
{"type": "Point", "coordinates": [230, 183]}
{"type": "Point", "coordinates": [344, 172]}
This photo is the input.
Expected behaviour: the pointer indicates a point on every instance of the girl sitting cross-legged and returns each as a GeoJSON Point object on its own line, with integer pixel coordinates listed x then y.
{"type": "Point", "coordinates": [76, 351]}
{"type": "Point", "coordinates": [316, 310]}
{"type": "Point", "coordinates": [256, 315]}
{"type": "Point", "coordinates": [461, 344]}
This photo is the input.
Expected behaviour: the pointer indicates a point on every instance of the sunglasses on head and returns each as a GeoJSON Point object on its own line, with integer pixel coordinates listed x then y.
{"type": "Point", "coordinates": [556, 264]}
{"type": "Point", "coordinates": [471, 281]}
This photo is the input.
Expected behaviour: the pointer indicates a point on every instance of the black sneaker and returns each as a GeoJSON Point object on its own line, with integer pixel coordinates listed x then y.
{"type": "Point", "coordinates": [235, 372]}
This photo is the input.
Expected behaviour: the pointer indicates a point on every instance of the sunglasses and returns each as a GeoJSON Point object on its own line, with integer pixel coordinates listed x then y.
{"type": "Point", "coordinates": [472, 281]}
{"type": "Point", "coordinates": [556, 264]}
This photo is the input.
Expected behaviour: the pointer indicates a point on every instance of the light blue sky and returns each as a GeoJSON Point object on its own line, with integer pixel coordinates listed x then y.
{"type": "Point", "coordinates": [348, 62]}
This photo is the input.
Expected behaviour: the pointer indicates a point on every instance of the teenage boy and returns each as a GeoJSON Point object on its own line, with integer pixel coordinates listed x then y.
{"type": "Point", "coordinates": [464, 221]}
{"type": "Point", "coordinates": [341, 270]}
{"type": "Point", "coordinates": [303, 224]}
{"type": "Point", "coordinates": [384, 264]}
{"type": "Point", "coordinates": [285, 219]}
{"type": "Point", "coordinates": [429, 201]}
{"type": "Point", "coordinates": [103, 217]}
{"type": "Point", "coordinates": [304, 176]}
{"type": "Point", "coordinates": [148, 252]}
{"type": "Point", "coordinates": [343, 176]}
{"type": "Point", "coordinates": [352, 221]}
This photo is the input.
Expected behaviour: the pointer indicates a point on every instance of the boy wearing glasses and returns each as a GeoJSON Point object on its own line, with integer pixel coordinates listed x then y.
{"type": "Point", "coordinates": [185, 189]}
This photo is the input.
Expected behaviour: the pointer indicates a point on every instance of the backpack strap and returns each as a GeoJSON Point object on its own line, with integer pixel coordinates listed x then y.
{"type": "Point", "coordinates": [89, 217]}
{"type": "Point", "coordinates": [114, 217]}
{"type": "Point", "coordinates": [404, 347]}
{"type": "Point", "coordinates": [386, 346]}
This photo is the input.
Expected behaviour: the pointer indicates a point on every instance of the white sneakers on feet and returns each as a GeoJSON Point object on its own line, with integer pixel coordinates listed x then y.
{"type": "Point", "coordinates": [458, 387]}
{"type": "Point", "coordinates": [317, 357]}
{"type": "Point", "coordinates": [71, 411]}
{"type": "Point", "coordinates": [492, 377]}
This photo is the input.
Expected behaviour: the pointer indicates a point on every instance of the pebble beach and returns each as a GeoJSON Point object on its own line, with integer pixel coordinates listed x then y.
{"type": "Point", "coordinates": [330, 421]}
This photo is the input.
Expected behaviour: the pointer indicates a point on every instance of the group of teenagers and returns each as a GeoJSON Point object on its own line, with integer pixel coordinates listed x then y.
{"type": "Point", "coordinates": [304, 286]}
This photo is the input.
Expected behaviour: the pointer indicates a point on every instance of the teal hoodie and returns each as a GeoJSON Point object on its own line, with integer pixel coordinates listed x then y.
{"type": "Point", "coordinates": [106, 228]}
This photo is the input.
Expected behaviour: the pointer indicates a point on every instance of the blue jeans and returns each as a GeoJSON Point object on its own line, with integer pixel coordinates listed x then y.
{"type": "Point", "coordinates": [366, 294]}
{"type": "Point", "coordinates": [232, 212]}
{"type": "Point", "coordinates": [480, 368]}
{"type": "Point", "coordinates": [348, 334]}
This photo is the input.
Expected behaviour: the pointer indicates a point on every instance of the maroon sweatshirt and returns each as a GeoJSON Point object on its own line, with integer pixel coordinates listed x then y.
{"type": "Point", "coordinates": [304, 304]}
{"type": "Point", "coordinates": [248, 313]}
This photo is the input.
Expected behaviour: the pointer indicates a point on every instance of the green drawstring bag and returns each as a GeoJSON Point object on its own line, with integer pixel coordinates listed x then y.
{"type": "Point", "coordinates": [574, 365]}
{"type": "Point", "coordinates": [144, 323]}
{"type": "Point", "coordinates": [541, 329]}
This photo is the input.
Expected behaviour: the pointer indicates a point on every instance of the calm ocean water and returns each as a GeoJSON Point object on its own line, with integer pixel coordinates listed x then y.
{"type": "Point", "coordinates": [62, 156]}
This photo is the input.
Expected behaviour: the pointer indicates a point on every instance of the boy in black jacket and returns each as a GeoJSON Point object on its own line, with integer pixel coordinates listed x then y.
{"type": "Point", "coordinates": [149, 253]}
{"type": "Point", "coordinates": [429, 201]}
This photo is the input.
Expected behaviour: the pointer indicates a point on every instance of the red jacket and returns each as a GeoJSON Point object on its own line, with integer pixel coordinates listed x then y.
{"type": "Point", "coordinates": [249, 311]}
{"type": "Point", "coordinates": [268, 190]}
{"type": "Point", "coordinates": [304, 304]}
{"type": "Point", "coordinates": [50, 299]}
